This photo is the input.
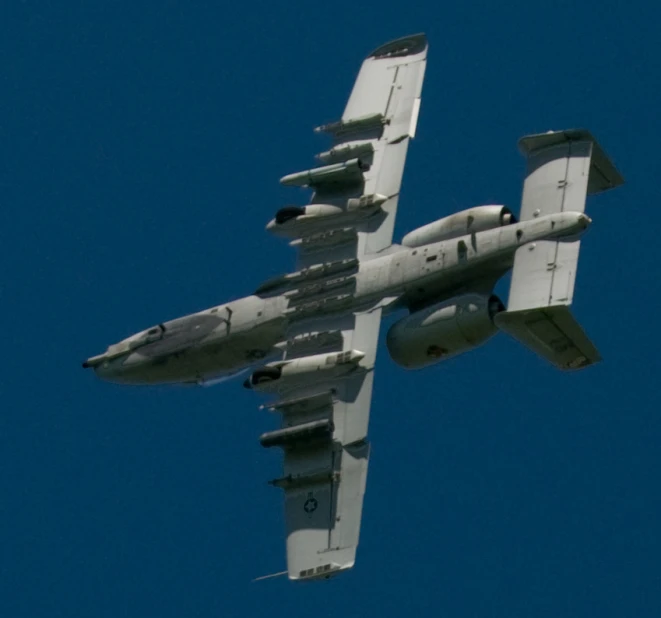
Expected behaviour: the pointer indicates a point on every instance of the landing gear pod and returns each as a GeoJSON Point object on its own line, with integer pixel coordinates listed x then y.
{"type": "Point", "coordinates": [298, 221]}
{"type": "Point", "coordinates": [316, 368]}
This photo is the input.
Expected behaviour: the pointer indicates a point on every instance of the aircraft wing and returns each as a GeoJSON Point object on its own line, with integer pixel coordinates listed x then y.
{"type": "Point", "coordinates": [351, 215]}
{"type": "Point", "coordinates": [325, 472]}
{"type": "Point", "coordinates": [361, 174]}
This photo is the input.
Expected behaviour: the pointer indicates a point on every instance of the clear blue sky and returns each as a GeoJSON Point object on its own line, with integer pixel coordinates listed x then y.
{"type": "Point", "coordinates": [140, 152]}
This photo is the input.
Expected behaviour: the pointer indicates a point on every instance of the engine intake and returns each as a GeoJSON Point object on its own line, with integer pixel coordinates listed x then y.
{"type": "Point", "coordinates": [443, 330]}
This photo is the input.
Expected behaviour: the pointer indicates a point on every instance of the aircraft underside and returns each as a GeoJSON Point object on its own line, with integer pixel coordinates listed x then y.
{"type": "Point", "coordinates": [308, 338]}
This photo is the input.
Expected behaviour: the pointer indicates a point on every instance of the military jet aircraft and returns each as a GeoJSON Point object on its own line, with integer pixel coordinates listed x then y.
{"type": "Point", "coordinates": [309, 337]}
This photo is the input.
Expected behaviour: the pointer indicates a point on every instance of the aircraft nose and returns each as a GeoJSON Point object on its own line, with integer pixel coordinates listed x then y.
{"type": "Point", "coordinates": [94, 361]}
{"type": "Point", "coordinates": [108, 369]}
{"type": "Point", "coordinates": [122, 371]}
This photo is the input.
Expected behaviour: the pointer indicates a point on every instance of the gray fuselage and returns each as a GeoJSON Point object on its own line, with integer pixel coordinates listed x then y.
{"type": "Point", "coordinates": [228, 338]}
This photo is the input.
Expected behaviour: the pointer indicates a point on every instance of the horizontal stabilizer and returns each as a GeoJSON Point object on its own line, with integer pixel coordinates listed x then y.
{"type": "Point", "coordinates": [562, 169]}
{"type": "Point", "coordinates": [553, 333]}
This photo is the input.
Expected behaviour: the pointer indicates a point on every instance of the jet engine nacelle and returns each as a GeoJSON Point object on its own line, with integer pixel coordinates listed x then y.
{"type": "Point", "coordinates": [477, 219]}
{"type": "Point", "coordinates": [443, 330]}
{"type": "Point", "coordinates": [281, 375]}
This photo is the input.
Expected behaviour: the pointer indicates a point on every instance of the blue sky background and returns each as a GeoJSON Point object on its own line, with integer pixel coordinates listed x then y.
{"type": "Point", "coordinates": [141, 146]}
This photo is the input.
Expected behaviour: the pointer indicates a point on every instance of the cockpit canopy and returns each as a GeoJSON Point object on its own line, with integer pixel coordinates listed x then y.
{"type": "Point", "coordinates": [148, 336]}
{"type": "Point", "coordinates": [175, 335]}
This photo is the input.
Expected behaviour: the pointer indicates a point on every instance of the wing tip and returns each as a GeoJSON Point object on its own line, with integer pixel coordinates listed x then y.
{"type": "Point", "coordinates": [404, 46]}
{"type": "Point", "coordinates": [535, 141]}
{"type": "Point", "coordinates": [320, 573]}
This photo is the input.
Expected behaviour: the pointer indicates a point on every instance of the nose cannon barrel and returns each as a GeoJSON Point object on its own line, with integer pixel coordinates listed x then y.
{"type": "Point", "coordinates": [94, 361]}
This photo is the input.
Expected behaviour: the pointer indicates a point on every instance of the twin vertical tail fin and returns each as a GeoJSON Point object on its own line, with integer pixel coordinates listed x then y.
{"type": "Point", "coordinates": [563, 168]}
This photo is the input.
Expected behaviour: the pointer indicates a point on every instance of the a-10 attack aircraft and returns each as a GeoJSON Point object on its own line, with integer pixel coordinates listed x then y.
{"type": "Point", "coordinates": [310, 336]}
